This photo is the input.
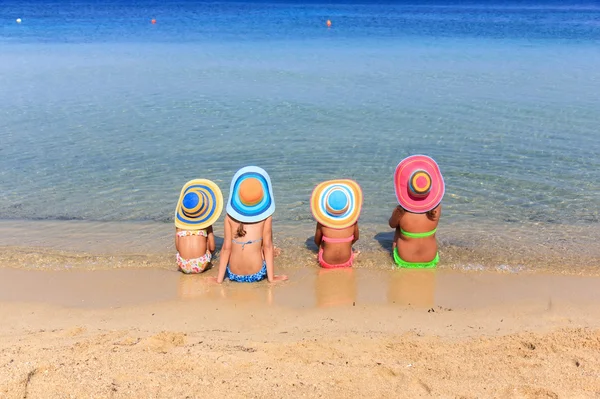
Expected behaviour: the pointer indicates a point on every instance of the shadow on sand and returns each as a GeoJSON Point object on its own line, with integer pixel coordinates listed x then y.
{"type": "Point", "coordinates": [310, 244]}
{"type": "Point", "coordinates": [385, 240]}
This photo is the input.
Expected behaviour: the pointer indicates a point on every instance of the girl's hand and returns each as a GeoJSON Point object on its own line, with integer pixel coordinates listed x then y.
{"type": "Point", "coordinates": [213, 280]}
{"type": "Point", "coordinates": [281, 277]}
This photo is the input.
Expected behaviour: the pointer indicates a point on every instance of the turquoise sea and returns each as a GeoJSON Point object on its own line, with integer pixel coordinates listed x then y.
{"type": "Point", "coordinates": [104, 116]}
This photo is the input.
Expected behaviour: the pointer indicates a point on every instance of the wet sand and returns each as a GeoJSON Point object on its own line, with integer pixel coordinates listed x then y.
{"type": "Point", "coordinates": [157, 333]}
{"type": "Point", "coordinates": [306, 288]}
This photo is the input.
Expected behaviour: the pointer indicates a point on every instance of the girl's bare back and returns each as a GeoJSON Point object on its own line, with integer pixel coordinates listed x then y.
{"type": "Point", "coordinates": [247, 250]}
{"type": "Point", "coordinates": [192, 246]}
{"type": "Point", "coordinates": [415, 249]}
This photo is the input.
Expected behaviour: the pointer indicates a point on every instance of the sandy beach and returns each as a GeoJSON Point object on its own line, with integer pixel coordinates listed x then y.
{"type": "Point", "coordinates": [107, 109]}
{"type": "Point", "coordinates": [157, 333]}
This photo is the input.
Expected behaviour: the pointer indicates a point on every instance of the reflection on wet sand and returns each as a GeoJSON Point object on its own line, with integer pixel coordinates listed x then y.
{"type": "Point", "coordinates": [195, 286]}
{"type": "Point", "coordinates": [199, 286]}
{"type": "Point", "coordinates": [412, 288]}
{"type": "Point", "coordinates": [346, 287]}
{"type": "Point", "coordinates": [323, 288]}
{"type": "Point", "coordinates": [335, 287]}
{"type": "Point", "coordinates": [307, 288]}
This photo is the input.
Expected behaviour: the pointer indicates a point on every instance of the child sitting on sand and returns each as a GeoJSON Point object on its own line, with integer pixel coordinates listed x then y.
{"type": "Point", "coordinates": [248, 252]}
{"type": "Point", "coordinates": [419, 188]}
{"type": "Point", "coordinates": [200, 205]}
{"type": "Point", "coordinates": [336, 205]}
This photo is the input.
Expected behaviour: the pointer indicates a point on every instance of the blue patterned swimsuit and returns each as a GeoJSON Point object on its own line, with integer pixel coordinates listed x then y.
{"type": "Point", "coordinates": [247, 278]}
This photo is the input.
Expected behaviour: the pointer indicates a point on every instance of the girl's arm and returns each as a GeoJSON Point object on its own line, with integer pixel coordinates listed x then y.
{"type": "Point", "coordinates": [395, 218]}
{"type": "Point", "coordinates": [210, 240]}
{"type": "Point", "coordinates": [225, 251]}
{"type": "Point", "coordinates": [318, 235]}
{"type": "Point", "coordinates": [268, 251]}
{"type": "Point", "coordinates": [356, 233]}
{"type": "Point", "coordinates": [176, 240]}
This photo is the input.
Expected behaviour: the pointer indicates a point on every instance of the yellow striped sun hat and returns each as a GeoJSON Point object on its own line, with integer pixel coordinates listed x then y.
{"type": "Point", "coordinates": [200, 205]}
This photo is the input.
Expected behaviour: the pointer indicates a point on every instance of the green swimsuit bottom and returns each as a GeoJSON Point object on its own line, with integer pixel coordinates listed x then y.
{"type": "Point", "coordinates": [415, 265]}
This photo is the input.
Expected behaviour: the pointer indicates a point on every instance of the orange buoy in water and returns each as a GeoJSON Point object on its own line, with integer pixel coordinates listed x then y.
{"type": "Point", "coordinates": [153, 21]}
{"type": "Point", "coordinates": [329, 23]}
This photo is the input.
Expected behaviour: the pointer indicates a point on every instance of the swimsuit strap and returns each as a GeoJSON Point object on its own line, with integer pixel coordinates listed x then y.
{"type": "Point", "coordinates": [187, 233]}
{"type": "Point", "coordinates": [243, 243]}
{"type": "Point", "coordinates": [338, 240]}
{"type": "Point", "coordinates": [418, 235]}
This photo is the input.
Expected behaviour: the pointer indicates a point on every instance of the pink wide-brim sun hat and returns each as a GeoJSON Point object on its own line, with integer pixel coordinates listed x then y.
{"type": "Point", "coordinates": [419, 184]}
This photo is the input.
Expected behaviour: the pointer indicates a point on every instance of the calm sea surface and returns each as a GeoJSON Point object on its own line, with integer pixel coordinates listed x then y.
{"type": "Point", "coordinates": [104, 115]}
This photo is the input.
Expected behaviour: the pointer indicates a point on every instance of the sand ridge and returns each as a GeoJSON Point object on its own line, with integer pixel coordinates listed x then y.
{"type": "Point", "coordinates": [223, 349]}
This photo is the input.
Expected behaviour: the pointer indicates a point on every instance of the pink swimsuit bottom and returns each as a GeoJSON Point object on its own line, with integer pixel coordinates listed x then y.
{"type": "Point", "coordinates": [326, 265]}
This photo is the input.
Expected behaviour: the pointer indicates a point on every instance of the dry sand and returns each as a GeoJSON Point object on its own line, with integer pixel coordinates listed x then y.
{"type": "Point", "coordinates": [149, 333]}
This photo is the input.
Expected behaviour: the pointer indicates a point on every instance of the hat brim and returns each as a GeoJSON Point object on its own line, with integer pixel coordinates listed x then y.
{"type": "Point", "coordinates": [318, 206]}
{"type": "Point", "coordinates": [256, 213]}
{"type": "Point", "coordinates": [215, 204]}
{"type": "Point", "coordinates": [401, 179]}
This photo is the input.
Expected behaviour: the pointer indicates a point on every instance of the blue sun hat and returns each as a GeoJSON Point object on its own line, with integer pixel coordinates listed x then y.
{"type": "Point", "coordinates": [200, 205]}
{"type": "Point", "coordinates": [251, 195]}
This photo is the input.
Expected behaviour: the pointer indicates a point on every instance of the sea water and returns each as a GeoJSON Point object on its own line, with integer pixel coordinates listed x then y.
{"type": "Point", "coordinates": [105, 115]}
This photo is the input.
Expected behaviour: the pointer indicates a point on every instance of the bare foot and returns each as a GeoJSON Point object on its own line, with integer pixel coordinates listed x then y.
{"type": "Point", "coordinates": [356, 253]}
